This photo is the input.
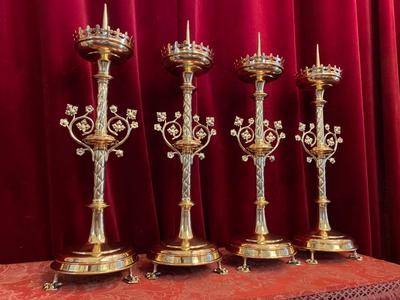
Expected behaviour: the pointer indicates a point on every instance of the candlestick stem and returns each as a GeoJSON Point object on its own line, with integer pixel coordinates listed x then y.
{"type": "Point", "coordinates": [323, 223]}
{"type": "Point", "coordinates": [97, 235]}
{"type": "Point", "coordinates": [259, 160]}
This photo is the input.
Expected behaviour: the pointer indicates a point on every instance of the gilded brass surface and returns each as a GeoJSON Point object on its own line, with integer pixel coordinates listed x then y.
{"type": "Point", "coordinates": [99, 136]}
{"type": "Point", "coordinates": [320, 145]}
{"type": "Point", "coordinates": [196, 253]}
{"type": "Point", "coordinates": [185, 139]}
{"type": "Point", "coordinates": [329, 241]}
{"type": "Point", "coordinates": [87, 261]}
{"type": "Point", "coordinates": [263, 140]}
{"type": "Point", "coordinates": [268, 247]}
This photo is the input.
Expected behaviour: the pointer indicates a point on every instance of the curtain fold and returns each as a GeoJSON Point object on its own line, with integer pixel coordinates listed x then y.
{"type": "Point", "coordinates": [45, 186]}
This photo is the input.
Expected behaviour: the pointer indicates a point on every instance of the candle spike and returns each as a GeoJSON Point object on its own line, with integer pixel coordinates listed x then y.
{"type": "Point", "coordinates": [105, 17]}
{"type": "Point", "coordinates": [318, 63]}
{"type": "Point", "coordinates": [187, 32]}
{"type": "Point", "coordinates": [259, 45]}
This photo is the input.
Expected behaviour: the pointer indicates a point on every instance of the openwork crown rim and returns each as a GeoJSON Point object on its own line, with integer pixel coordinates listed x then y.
{"type": "Point", "coordinates": [98, 32]}
{"type": "Point", "coordinates": [321, 70]}
{"type": "Point", "coordinates": [255, 59]}
{"type": "Point", "coordinates": [189, 48]}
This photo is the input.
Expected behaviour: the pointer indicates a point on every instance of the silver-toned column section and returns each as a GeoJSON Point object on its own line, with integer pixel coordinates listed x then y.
{"type": "Point", "coordinates": [261, 223]}
{"type": "Point", "coordinates": [322, 201]}
{"type": "Point", "coordinates": [97, 235]}
{"type": "Point", "coordinates": [259, 160]}
{"type": "Point", "coordinates": [187, 88]}
{"type": "Point", "coordinates": [185, 228]}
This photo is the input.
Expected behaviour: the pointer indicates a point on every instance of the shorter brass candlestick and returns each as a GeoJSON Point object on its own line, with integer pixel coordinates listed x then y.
{"type": "Point", "coordinates": [99, 138]}
{"type": "Point", "coordinates": [262, 141]}
{"type": "Point", "coordinates": [320, 146]}
{"type": "Point", "coordinates": [186, 141]}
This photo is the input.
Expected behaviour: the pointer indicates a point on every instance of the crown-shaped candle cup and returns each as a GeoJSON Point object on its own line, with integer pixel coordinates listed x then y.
{"type": "Point", "coordinates": [90, 41]}
{"type": "Point", "coordinates": [323, 75]}
{"type": "Point", "coordinates": [188, 54]}
{"type": "Point", "coordinates": [269, 67]}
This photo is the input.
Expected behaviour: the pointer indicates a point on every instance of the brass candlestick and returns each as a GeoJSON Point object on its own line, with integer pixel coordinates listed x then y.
{"type": "Point", "coordinates": [185, 141]}
{"type": "Point", "coordinates": [321, 145]}
{"type": "Point", "coordinates": [98, 137]}
{"type": "Point", "coordinates": [262, 141]}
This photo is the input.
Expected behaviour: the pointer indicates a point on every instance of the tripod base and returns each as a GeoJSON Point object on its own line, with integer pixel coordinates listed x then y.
{"type": "Point", "coordinates": [93, 259]}
{"type": "Point", "coordinates": [262, 247]}
{"type": "Point", "coordinates": [174, 253]}
{"type": "Point", "coordinates": [326, 241]}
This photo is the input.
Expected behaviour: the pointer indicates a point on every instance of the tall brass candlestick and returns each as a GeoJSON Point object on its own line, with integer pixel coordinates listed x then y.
{"type": "Point", "coordinates": [99, 138]}
{"type": "Point", "coordinates": [262, 141]}
{"type": "Point", "coordinates": [186, 141]}
{"type": "Point", "coordinates": [321, 145]}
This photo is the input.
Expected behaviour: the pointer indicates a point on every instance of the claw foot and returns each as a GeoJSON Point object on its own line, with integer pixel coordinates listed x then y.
{"type": "Point", "coordinates": [153, 275]}
{"type": "Point", "coordinates": [54, 285]}
{"type": "Point", "coordinates": [312, 260]}
{"type": "Point", "coordinates": [355, 256]}
{"type": "Point", "coordinates": [293, 261]}
{"type": "Point", "coordinates": [130, 279]}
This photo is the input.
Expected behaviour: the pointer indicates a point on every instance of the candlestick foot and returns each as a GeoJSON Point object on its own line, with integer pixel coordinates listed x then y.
{"type": "Point", "coordinates": [325, 241]}
{"type": "Point", "coordinates": [355, 256]}
{"type": "Point", "coordinates": [293, 261]}
{"type": "Point", "coordinates": [262, 247]}
{"type": "Point", "coordinates": [94, 259]}
{"type": "Point", "coordinates": [219, 269]}
{"type": "Point", "coordinates": [154, 274]}
{"type": "Point", "coordinates": [244, 267]}
{"type": "Point", "coordinates": [54, 285]}
{"type": "Point", "coordinates": [312, 260]}
{"type": "Point", "coordinates": [130, 278]}
{"type": "Point", "coordinates": [176, 253]}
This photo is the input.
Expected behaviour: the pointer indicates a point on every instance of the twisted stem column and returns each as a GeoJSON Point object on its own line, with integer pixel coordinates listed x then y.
{"type": "Point", "coordinates": [185, 228]}
{"type": "Point", "coordinates": [259, 161]}
{"type": "Point", "coordinates": [323, 223]}
{"type": "Point", "coordinates": [97, 235]}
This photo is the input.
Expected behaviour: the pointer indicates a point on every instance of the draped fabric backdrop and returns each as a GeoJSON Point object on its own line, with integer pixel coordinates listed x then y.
{"type": "Point", "coordinates": [45, 186]}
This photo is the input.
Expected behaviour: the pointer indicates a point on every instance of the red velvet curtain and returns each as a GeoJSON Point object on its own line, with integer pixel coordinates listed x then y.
{"type": "Point", "coordinates": [45, 186]}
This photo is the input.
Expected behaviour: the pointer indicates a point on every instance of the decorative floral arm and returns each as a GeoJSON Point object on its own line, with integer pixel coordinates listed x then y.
{"type": "Point", "coordinates": [244, 134]}
{"type": "Point", "coordinates": [201, 131]}
{"type": "Point", "coordinates": [84, 123]}
{"type": "Point", "coordinates": [332, 140]}
{"type": "Point", "coordinates": [173, 128]}
{"type": "Point", "coordinates": [116, 124]}
{"type": "Point", "coordinates": [308, 140]}
{"type": "Point", "coordinates": [273, 137]}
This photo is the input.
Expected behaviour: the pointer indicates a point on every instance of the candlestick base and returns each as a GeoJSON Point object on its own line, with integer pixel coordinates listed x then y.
{"type": "Point", "coordinates": [195, 253]}
{"type": "Point", "coordinates": [326, 241]}
{"type": "Point", "coordinates": [94, 259]}
{"type": "Point", "coordinates": [262, 247]}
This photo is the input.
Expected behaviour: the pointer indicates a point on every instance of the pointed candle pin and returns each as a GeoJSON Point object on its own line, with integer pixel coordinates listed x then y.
{"type": "Point", "coordinates": [259, 45]}
{"type": "Point", "coordinates": [318, 63]}
{"type": "Point", "coordinates": [187, 32]}
{"type": "Point", "coordinates": [105, 17]}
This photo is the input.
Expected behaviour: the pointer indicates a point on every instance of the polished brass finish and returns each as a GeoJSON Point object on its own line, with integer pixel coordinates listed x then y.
{"type": "Point", "coordinates": [98, 137]}
{"type": "Point", "coordinates": [263, 140]}
{"type": "Point", "coordinates": [186, 141]}
{"type": "Point", "coordinates": [321, 145]}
